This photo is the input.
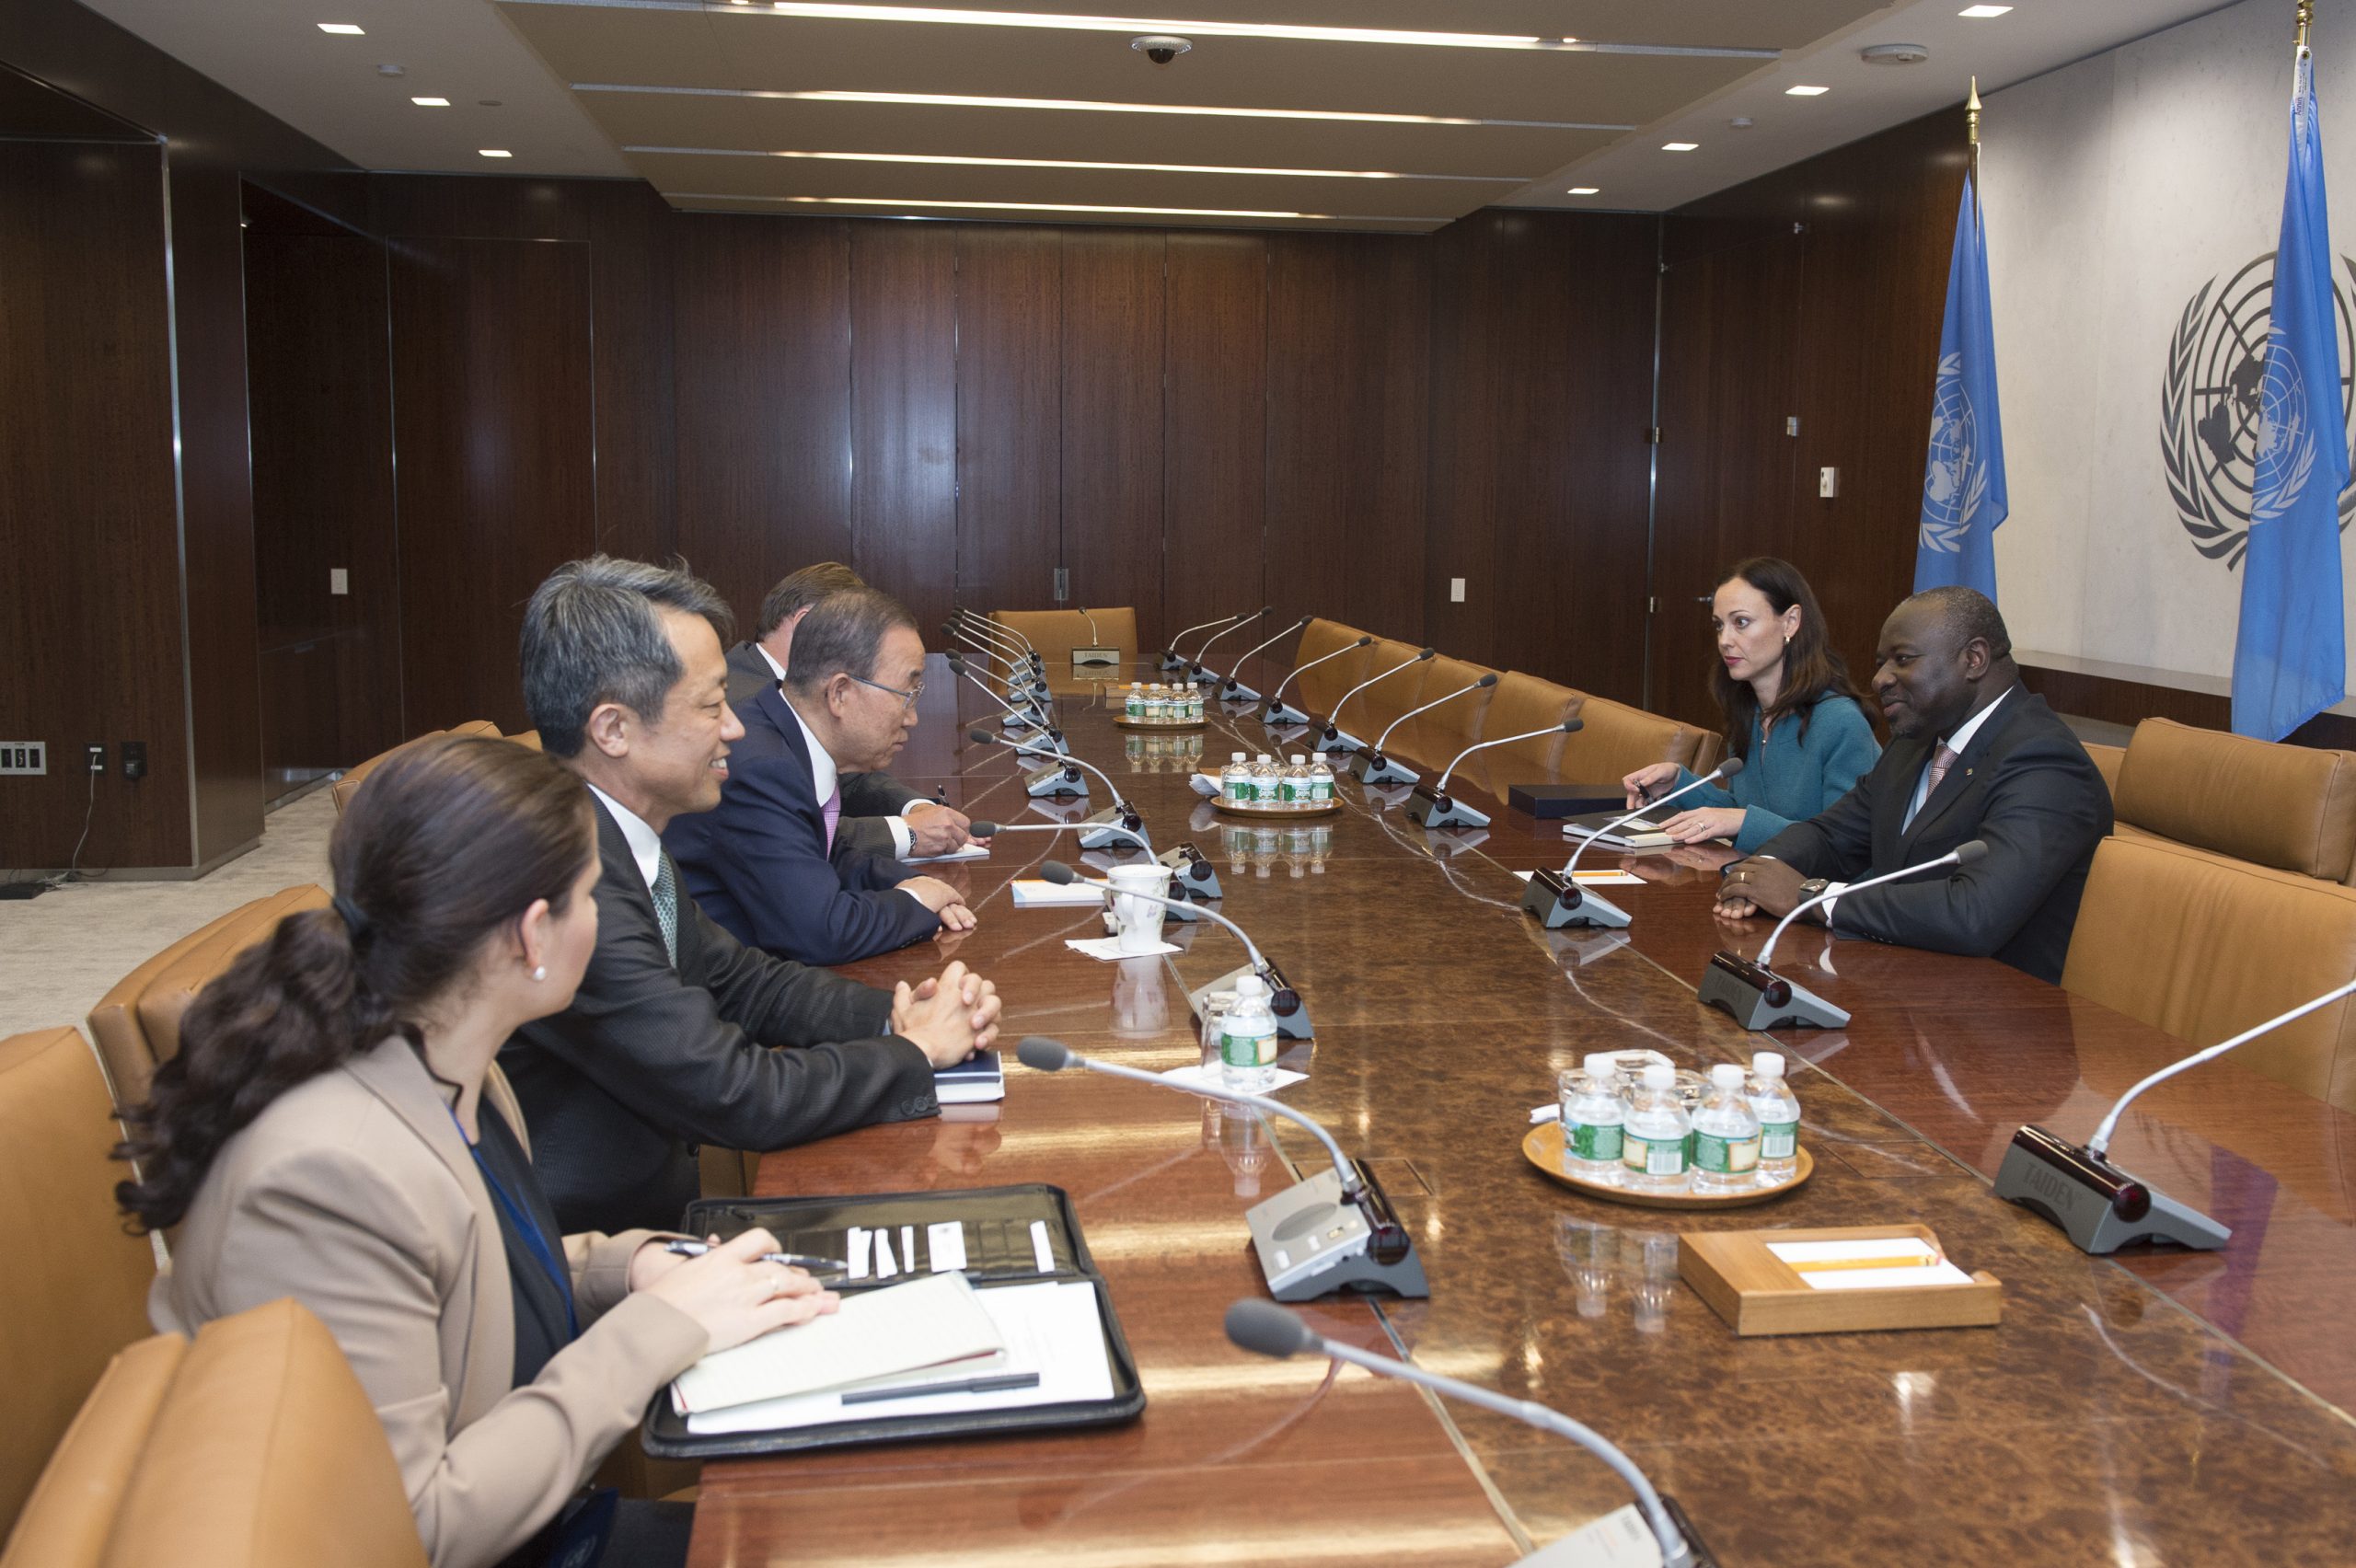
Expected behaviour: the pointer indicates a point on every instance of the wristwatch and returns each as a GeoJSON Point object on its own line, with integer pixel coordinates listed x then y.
{"type": "Point", "coordinates": [1814, 887]}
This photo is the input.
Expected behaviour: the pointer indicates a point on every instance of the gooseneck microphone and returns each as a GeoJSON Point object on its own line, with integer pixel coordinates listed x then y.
{"type": "Point", "coordinates": [1266, 1329]}
{"type": "Point", "coordinates": [1234, 690]}
{"type": "Point", "coordinates": [992, 829]}
{"type": "Point", "coordinates": [1170, 657]}
{"type": "Point", "coordinates": [1095, 652]}
{"type": "Point", "coordinates": [1371, 766]}
{"type": "Point", "coordinates": [2100, 1206]}
{"type": "Point", "coordinates": [1335, 1231]}
{"type": "Point", "coordinates": [997, 632]}
{"type": "Point", "coordinates": [1758, 998]}
{"type": "Point", "coordinates": [1279, 711]}
{"type": "Point", "coordinates": [1556, 898]}
{"type": "Point", "coordinates": [1432, 807]}
{"type": "Point", "coordinates": [1292, 1012]}
{"type": "Point", "coordinates": [1010, 716]}
{"type": "Point", "coordinates": [984, 738]}
{"type": "Point", "coordinates": [1335, 738]}
{"type": "Point", "coordinates": [1017, 674]}
{"type": "Point", "coordinates": [1195, 665]}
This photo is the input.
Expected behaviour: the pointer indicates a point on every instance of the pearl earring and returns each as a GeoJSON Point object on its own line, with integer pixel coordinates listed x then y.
{"type": "Point", "coordinates": [539, 972]}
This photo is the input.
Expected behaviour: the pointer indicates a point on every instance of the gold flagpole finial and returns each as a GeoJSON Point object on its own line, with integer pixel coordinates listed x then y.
{"type": "Point", "coordinates": [1971, 110]}
{"type": "Point", "coordinates": [2306, 19]}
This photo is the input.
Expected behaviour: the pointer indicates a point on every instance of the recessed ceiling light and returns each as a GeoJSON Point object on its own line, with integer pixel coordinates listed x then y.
{"type": "Point", "coordinates": [1679, 146]}
{"type": "Point", "coordinates": [344, 30]}
{"type": "Point", "coordinates": [962, 100]}
{"type": "Point", "coordinates": [1035, 207]}
{"type": "Point", "coordinates": [968, 160]}
{"type": "Point", "coordinates": [1806, 92]}
{"type": "Point", "coordinates": [1583, 190]}
{"type": "Point", "coordinates": [1983, 10]}
{"type": "Point", "coordinates": [495, 151]}
{"type": "Point", "coordinates": [431, 102]}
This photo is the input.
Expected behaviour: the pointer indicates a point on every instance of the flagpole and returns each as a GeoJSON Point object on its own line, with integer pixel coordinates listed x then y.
{"type": "Point", "coordinates": [1971, 123]}
{"type": "Point", "coordinates": [2306, 18]}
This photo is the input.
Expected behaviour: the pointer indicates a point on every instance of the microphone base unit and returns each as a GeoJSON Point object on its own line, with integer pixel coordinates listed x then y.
{"type": "Point", "coordinates": [1336, 742]}
{"type": "Point", "coordinates": [1622, 1536]}
{"type": "Point", "coordinates": [1312, 1240]}
{"type": "Point", "coordinates": [2099, 1207]}
{"type": "Point", "coordinates": [1432, 811]}
{"type": "Point", "coordinates": [1558, 901]}
{"type": "Point", "coordinates": [1097, 832]}
{"type": "Point", "coordinates": [1371, 766]}
{"type": "Point", "coordinates": [1291, 1024]}
{"type": "Point", "coordinates": [1096, 656]}
{"type": "Point", "coordinates": [1235, 691]}
{"type": "Point", "coordinates": [1055, 782]}
{"type": "Point", "coordinates": [1190, 874]}
{"type": "Point", "coordinates": [1758, 998]}
{"type": "Point", "coordinates": [1280, 714]}
{"type": "Point", "coordinates": [1170, 661]}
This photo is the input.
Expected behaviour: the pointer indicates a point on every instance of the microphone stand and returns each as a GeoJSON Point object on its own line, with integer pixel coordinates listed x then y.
{"type": "Point", "coordinates": [1196, 672]}
{"type": "Point", "coordinates": [1556, 898]}
{"type": "Point", "coordinates": [1758, 998]}
{"type": "Point", "coordinates": [1009, 717]}
{"type": "Point", "coordinates": [2100, 1207]}
{"type": "Point", "coordinates": [1094, 830]}
{"type": "Point", "coordinates": [1096, 653]}
{"type": "Point", "coordinates": [1278, 713]}
{"type": "Point", "coordinates": [1170, 659]}
{"type": "Point", "coordinates": [1432, 808]}
{"type": "Point", "coordinates": [1335, 739]}
{"type": "Point", "coordinates": [1235, 690]}
{"type": "Point", "coordinates": [1371, 766]}
{"type": "Point", "coordinates": [1333, 1231]}
{"type": "Point", "coordinates": [1292, 1012]}
{"type": "Point", "coordinates": [1003, 635]}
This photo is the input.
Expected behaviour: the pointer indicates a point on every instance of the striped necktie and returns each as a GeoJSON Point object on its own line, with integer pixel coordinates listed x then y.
{"type": "Point", "coordinates": [667, 908]}
{"type": "Point", "coordinates": [1940, 762]}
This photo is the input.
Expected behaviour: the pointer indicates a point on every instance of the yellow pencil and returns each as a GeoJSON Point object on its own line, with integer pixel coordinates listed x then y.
{"type": "Point", "coordinates": [1824, 1264]}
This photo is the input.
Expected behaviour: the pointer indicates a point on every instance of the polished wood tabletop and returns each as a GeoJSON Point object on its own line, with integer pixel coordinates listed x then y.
{"type": "Point", "coordinates": [2143, 1410]}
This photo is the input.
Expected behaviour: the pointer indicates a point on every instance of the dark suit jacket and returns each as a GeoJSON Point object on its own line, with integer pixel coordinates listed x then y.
{"type": "Point", "coordinates": [2024, 785]}
{"type": "Point", "coordinates": [758, 863]}
{"type": "Point", "coordinates": [733, 1047]}
{"type": "Point", "coordinates": [867, 797]}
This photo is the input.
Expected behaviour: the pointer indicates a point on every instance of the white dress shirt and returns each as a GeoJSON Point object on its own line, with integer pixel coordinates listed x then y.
{"type": "Point", "coordinates": [645, 844]}
{"type": "Point", "coordinates": [1955, 742]}
{"type": "Point", "coordinates": [827, 777]}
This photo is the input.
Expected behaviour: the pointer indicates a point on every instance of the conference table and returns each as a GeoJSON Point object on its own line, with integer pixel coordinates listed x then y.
{"type": "Point", "coordinates": [2154, 1407]}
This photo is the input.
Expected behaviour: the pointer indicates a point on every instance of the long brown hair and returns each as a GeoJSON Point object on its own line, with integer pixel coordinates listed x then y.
{"type": "Point", "coordinates": [1812, 667]}
{"type": "Point", "coordinates": [450, 839]}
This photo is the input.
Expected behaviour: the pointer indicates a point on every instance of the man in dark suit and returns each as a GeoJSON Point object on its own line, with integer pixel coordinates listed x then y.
{"type": "Point", "coordinates": [881, 816]}
{"type": "Point", "coordinates": [678, 1035]}
{"type": "Point", "coordinates": [1973, 755]}
{"type": "Point", "coordinates": [769, 864]}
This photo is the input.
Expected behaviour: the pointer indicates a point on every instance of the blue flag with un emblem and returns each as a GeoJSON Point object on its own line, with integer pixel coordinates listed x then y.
{"type": "Point", "coordinates": [1963, 480]}
{"type": "Point", "coordinates": [2290, 652]}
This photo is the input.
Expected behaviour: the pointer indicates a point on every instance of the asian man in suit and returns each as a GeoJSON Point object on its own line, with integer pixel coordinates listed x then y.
{"type": "Point", "coordinates": [880, 815]}
{"type": "Point", "coordinates": [679, 1035]}
{"type": "Point", "coordinates": [769, 864]}
{"type": "Point", "coordinates": [1973, 754]}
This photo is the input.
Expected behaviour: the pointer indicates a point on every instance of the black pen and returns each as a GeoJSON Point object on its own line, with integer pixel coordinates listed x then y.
{"type": "Point", "coordinates": [968, 1386]}
{"type": "Point", "coordinates": [792, 1260]}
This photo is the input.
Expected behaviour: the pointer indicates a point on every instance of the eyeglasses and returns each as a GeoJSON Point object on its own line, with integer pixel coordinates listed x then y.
{"type": "Point", "coordinates": [907, 698]}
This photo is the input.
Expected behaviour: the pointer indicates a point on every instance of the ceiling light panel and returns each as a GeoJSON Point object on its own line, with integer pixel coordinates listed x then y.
{"type": "Point", "coordinates": [1784, 24]}
{"type": "Point", "coordinates": [1093, 166]}
{"type": "Point", "coordinates": [1120, 215]}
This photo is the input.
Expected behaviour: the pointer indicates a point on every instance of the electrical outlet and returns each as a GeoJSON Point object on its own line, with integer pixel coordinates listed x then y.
{"type": "Point", "coordinates": [98, 755]}
{"type": "Point", "coordinates": [339, 579]}
{"type": "Point", "coordinates": [1456, 590]}
{"type": "Point", "coordinates": [134, 759]}
{"type": "Point", "coordinates": [1828, 482]}
{"type": "Point", "coordinates": [24, 756]}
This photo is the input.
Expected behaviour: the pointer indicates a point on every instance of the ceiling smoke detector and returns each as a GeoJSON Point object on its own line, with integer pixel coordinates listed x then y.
{"type": "Point", "coordinates": [1894, 54]}
{"type": "Point", "coordinates": [1161, 48]}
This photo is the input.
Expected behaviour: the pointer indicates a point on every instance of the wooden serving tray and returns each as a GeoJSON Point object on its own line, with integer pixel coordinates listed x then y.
{"type": "Point", "coordinates": [1757, 1292]}
{"type": "Point", "coordinates": [1543, 1148]}
{"type": "Point", "coordinates": [1123, 722]}
{"type": "Point", "coordinates": [1282, 813]}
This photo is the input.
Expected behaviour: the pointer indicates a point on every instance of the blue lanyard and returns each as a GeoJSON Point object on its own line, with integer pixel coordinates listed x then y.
{"type": "Point", "coordinates": [530, 1231]}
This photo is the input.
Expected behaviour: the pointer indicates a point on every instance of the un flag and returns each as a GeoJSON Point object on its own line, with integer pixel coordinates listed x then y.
{"type": "Point", "coordinates": [1963, 478]}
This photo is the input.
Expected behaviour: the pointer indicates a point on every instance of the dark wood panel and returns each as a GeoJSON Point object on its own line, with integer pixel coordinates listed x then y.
{"type": "Point", "coordinates": [1349, 409]}
{"type": "Point", "coordinates": [630, 262]}
{"type": "Point", "coordinates": [33, 110]}
{"type": "Point", "coordinates": [91, 617]}
{"type": "Point", "coordinates": [1112, 424]}
{"type": "Point", "coordinates": [2131, 702]}
{"type": "Point", "coordinates": [1009, 415]}
{"type": "Point", "coordinates": [762, 310]}
{"type": "Point", "coordinates": [904, 413]}
{"type": "Point", "coordinates": [1215, 441]}
{"type": "Point", "coordinates": [319, 401]}
{"type": "Point", "coordinates": [492, 421]}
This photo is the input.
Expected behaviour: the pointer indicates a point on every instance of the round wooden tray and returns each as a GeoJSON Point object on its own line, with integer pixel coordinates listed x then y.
{"type": "Point", "coordinates": [1123, 722]}
{"type": "Point", "coordinates": [1543, 1148]}
{"type": "Point", "coordinates": [1281, 813]}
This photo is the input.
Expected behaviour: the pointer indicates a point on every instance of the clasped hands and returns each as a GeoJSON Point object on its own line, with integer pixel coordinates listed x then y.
{"type": "Point", "coordinates": [949, 1016]}
{"type": "Point", "coordinates": [1759, 886]}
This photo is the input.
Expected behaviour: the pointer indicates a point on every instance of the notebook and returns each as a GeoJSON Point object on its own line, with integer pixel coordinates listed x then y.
{"type": "Point", "coordinates": [932, 1321]}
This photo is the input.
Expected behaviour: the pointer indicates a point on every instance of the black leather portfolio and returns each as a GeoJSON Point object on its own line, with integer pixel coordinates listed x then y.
{"type": "Point", "coordinates": [1547, 801]}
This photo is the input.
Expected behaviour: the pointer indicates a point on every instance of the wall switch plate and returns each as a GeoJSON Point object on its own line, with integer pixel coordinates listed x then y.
{"type": "Point", "coordinates": [134, 759]}
{"type": "Point", "coordinates": [24, 756]}
{"type": "Point", "coordinates": [98, 757]}
{"type": "Point", "coordinates": [339, 579]}
{"type": "Point", "coordinates": [1791, 424]}
{"type": "Point", "coordinates": [1828, 482]}
{"type": "Point", "coordinates": [1456, 590]}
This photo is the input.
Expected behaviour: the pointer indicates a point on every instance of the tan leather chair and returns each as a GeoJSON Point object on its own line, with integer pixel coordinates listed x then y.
{"type": "Point", "coordinates": [1614, 740]}
{"type": "Point", "coordinates": [1370, 712]}
{"type": "Point", "coordinates": [2107, 761]}
{"type": "Point", "coordinates": [75, 1290]}
{"type": "Point", "coordinates": [1522, 703]}
{"type": "Point", "coordinates": [2289, 808]}
{"type": "Point", "coordinates": [2204, 947]}
{"type": "Point", "coordinates": [1429, 740]}
{"type": "Point", "coordinates": [1054, 633]}
{"type": "Point", "coordinates": [1319, 689]}
{"type": "Point", "coordinates": [1707, 750]}
{"type": "Point", "coordinates": [529, 740]}
{"type": "Point", "coordinates": [137, 1024]}
{"type": "Point", "coordinates": [254, 1447]}
{"type": "Point", "coordinates": [343, 789]}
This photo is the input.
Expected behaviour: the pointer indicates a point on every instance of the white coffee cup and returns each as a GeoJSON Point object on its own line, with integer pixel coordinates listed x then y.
{"type": "Point", "coordinates": [1138, 920]}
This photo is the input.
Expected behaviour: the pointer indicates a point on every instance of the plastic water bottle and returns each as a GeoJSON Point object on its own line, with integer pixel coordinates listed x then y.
{"type": "Point", "coordinates": [1247, 1044]}
{"type": "Point", "coordinates": [1235, 781]}
{"type": "Point", "coordinates": [1779, 1116]}
{"type": "Point", "coordinates": [1193, 706]}
{"type": "Point", "coordinates": [1726, 1135]}
{"type": "Point", "coordinates": [1321, 782]}
{"type": "Point", "coordinates": [1655, 1144]}
{"type": "Point", "coordinates": [1593, 1118]}
{"type": "Point", "coordinates": [1263, 780]}
{"type": "Point", "coordinates": [1156, 704]}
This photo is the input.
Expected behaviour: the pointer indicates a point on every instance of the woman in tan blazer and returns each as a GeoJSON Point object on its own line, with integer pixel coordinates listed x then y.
{"type": "Point", "coordinates": [334, 1130]}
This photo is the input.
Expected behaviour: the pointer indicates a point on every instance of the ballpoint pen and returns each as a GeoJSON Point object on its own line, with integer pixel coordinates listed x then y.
{"type": "Point", "coordinates": [792, 1260]}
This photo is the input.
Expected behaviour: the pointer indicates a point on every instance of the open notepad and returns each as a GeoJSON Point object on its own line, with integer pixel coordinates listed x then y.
{"type": "Point", "coordinates": [932, 1323]}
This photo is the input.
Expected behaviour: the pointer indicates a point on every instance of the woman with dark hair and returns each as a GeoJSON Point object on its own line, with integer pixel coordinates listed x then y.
{"type": "Point", "coordinates": [334, 1129]}
{"type": "Point", "coordinates": [1793, 714]}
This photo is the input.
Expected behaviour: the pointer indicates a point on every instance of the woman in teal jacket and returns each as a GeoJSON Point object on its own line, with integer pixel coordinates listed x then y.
{"type": "Point", "coordinates": [1793, 714]}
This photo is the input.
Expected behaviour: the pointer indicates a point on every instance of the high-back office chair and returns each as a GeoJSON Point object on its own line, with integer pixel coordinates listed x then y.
{"type": "Point", "coordinates": [1318, 689]}
{"type": "Point", "coordinates": [343, 789]}
{"type": "Point", "coordinates": [2283, 807]}
{"type": "Point", "coordinates": [1428, 740]}
{"type": "Point", "coordinates": [1367, 714]}
{"type": "Point", "coordinates": [74, 1290]}
{"type": "Point", "coordinates": [137, 1024]}
{"type": "Point", "coordinates": [2203, 947]}
{"type": "Point", "coordinates": [253, 1447]}
{"type": "Point", "coordinates": [1054, 633]}
{"type": "Point", "coordinates": [1614, 740]}
{"type": "Point", "coordinates": [1521, 704]}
